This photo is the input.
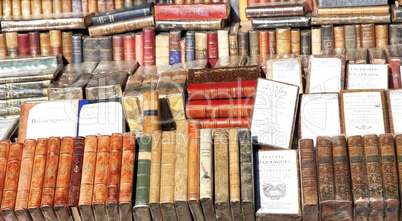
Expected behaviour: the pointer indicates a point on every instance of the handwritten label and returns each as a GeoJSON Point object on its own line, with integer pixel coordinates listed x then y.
{"type": "Point", "coordinates": [325, 75]}
{"type": "Point", "coordinates": [367, 76]}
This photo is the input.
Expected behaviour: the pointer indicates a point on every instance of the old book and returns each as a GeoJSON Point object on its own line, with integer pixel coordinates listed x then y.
{"type": "Point", "coordinates": [368, 36]}
{"type": "Point", "coordinates": [12, 44]}
{"type": "Point", "coordinates": [206, 174]}
{"type": "Point", "coordinates": [155, 178]}
{"type": "Point", "coordinates": [76, 6]}
{"type": "Point", "coordinates": [227, 90]}
{"type": "Point", "coordinates": [246, 175]}
{"type": "Point", "coordinates": [221, 172]}
{"type": "Point", "coordinates": [398, 146]}
{"type": "Point", "coordinates": [90, 49]}
{"type": "Point", "coordinates": [286, 70]}
{"type": "Point", "coordinates": [233, 44]}
{"type": "Point", "coordinates": [77, 48]}
{"type": "Point", "coordinates": [119, 4]}
{"type": "Point", "coordinates": [67, 46]}
{"type": "Point", "coordinates": [129, 46]}
{"type": "Point", "coordinates": [219, 108]}
{"type": "Point", "coordinates": [289, 93]}
{"type": "Point", "coordinates": [395, 75]}
{"type": "Point", "coordinates": [327, 39]}
{"type": "Point", "coordinates": [190, 46]}
{"type": "Point", "coordinates": [3, 45]}
{"type": "Point", "coordinates": [150, 112]}
{"type": "Point", "coordinates": [161, 49]}
{"type": "Point", "coordinates": [395, 34]}
{"type": "Point", "coordinates": [323, 3]}
{"type": "Point", "coordinates": [396, 14]}
{"type": "Point", "coordinates": [118, 47]}
{"type": "Point", "coordinates": [174, 47]}
{"type": "Point", "coordinates": [316, 41]}
{"type": "Point", "coordinates": [196, 76]}
{"type": "Point", "coordinates": [190, 25]}
{"type": "Point", "coordinates": [149, 46]}
{"type": "Point", "coordinates": [333, 81]}
{"type": "Point", "coordinates": [7, 8]}
{"type": "Point", "coordinates": [55, 42]}
{"type": "Point", "coordinates": [183, 50]}
{"type": "Point", "coordinates": [356, 55]}
{"type": "Point", "coordinates": [234, 175]}
{"type": "Point", "coordinates": [44, 43]}
{"type": "Point", "coordinates": [113, 179]}
{"type": "Point", "coordinates": [34, 43]}
{"type": "Point", "coordinates": [4, 151]}
{"type": "Point", "coordinates": [16, 7]}
{"type": "Point", "coordinates": [280, 22]}
{"type": "Point", "coordinates": [374, 176]}
{"type": "Point", "coordinates": [212, 39]}
{"type": "Point", "coordinates": [56, 6]}
{"type": "Point", "coordinates": [23, 45]}
{"type": "Point", "coordinates": [273, 9]}
{"type": "Point", "coordinates": [36, 7]}
{"type": "Point", "coordinates": [295, 41]}
{"type": "Point", "coordinates": [141, 206]}
{"type": "Point", "coordinates": [271, 41]}
{"type": "Point", "coordinates": [339, 37]}
{"type": "Point", "coordinates": [66, 6]}
{"type": "Point", "coordinates": [184, 12]}
{"type": "Point", "coordinates": [127, 177]}
{"type": "Point", "coordinates": [106, 85]}
{"type": "Point", "coordinates": [243, 43]}
{"type": "Point", "coordinates": [350, 36]}
{"type": "Point", "coordinates": [376, 117]}
{"type": "Point", "coordinates": [121, 26]}
{"type": "Point", "coordinates": [101, 5]}
{"type": "Point", "coordinates": [350, 19]}
{"type": "Point", "coordinates": [117, 15]}
{"type": "Point", "coordinates": [254, 40]}
{"type": "Point", "coordinates": [393, 110]}
{"type": "Point", "coordinates": [354, 10]}
{"type": "Point", "coordinates": [358, 30]}
{"type": "Point", "coordinates": [128, 3]}
{"type": "Point", "coordinates": [366, 76]}
{"type": "Point", "coordinates": [201, 45]}
{"type": "Point", "coordinates": [11, 181]}
{"type": "Point", "coordinates": [105, 48]}
{"type": "Point", "coordinates": [263, 42]}
{"type": "Point", "coordinates": [225, 122]}
{"type": "Point", "coordinates": [381, 35]}
{"type": "Point", "coordinates": [90, 6]}
{"type": "Point", "coordinates": [283, 41]}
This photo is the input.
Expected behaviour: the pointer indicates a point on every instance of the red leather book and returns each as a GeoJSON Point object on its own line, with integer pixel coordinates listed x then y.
{"type": "Point", "coordinates": [118, 47]}
{"type": "Point", "coordinates": [212, 48]}
{"type": "Point", "coordinates": [224, 122]}
{"type": "Point", "coordinates": [75, 177]}
{"type": "Point", "coordinates": [23, 45]}
{"type": "Point", "coordinates": [263, 42]}
{"type": "Point", "coordinates": [227, 90]}
{"type": "Point", "coordinates": [191, 12]}
{"type": "Point", "coordinates": [149, 46]}
{"type": "Point", "coordinates": [34, 43]}
{"type": "Point", "coordinates": [394, 73]}
{"type": "Point", "coordinates": [129, 46]}
{"type": "Point", "coordinates": [4, 149]}
{"type": "Point", "coordinates": [219, 108]}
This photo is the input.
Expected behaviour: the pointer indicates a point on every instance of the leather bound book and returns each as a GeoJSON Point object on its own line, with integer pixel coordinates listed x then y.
{"type": "Point", "coordinates": [390, 176]}
{"type": "Point", "coordinates": [274, 9]}
{"type": "Point", "coordinates": [49, 181]}
{"type": "Point", "coordinates": [141, 207]}
{"type": "Point", "coordinates": [55, 42]}
{"type": "Point", "coordinates": [11, 181]}
{"type": "Point", "coordinates": [396, 14]}
{"type": "Point", "coordinates": [36, 7]}
{"type": "Point", "coordinates": [66, 6]}
{"type": "Point", "coordinates": [350, 36]}
{"type": "Point", "coordinates": [398, 146]}
{"type": "Point", "coordinates": [119, 4]}
{"type": "Point", "coordinates": [101, 5]}
{"type": "Point", "coordinates": [281, 22]}
{"type": "Point", "coordinates": [21, 202]}
{"type": "Point", "coordinates": [105, 48]}
{"type": "Point", "coordinates": [221, 158]}
{"type": "Point", "coordinates": [181, 171]}
{"type": "Point", "coordinates": [327, 39]}
{"type": "Point", "coordinates": [174, 47]}
{"type": "Point", "coordinates": [149, 46]}
{"type": "Point", "coordinates": [3, 45]}
{"type": "Point", "coordinates": [246, 175]}
{"type": "Point", "coordinates": [76, 6]}
{"type": "Point", "coordinates": [196, 76]}
{"type": "Point", "coordinates": [155, 179]}
{"type": "Point", "coordinates": [110, 4]}
{"type": "Point", "coordinates": [325, 169]}
{"type": "Point", "coordinates": [351, 3]}
{"type": "Point", "coordinates": [113, 181]}
{"type": "Point", "coordinates": [44, 39]}
{"type": "Point", "coordinates": [161, 49]}
{"type": "Point", "coordinates": [183, 50]}
{"type": "Point", "coordinates": [308, 179]}
{"type": "Point", "coordinates": [92, 6]}
{"type": "Point", "coordinates": [90, 48]}
{"type": "Point", "coordinates": [201, 45]}
{"type": "Point", "coordinates": [38, 174]}
{"type": "Point", "coordinates": [227, 90]}
{"type": "Point", "coordinates": [316, 41]}
{"type": "Point", "coordinates": [75, 178]}
{"type": "Point", "coordinates": [224, 122]}
{"type": "Point", "coordinates": [350, 19]}
{"type": "Point", "coordinates": [354, 10]}
{"type": "Point", "coordinates": [167, 171]}
{"type": "Point", "coordinates": [193, 185]}
{"type": "Point", "coordinates": [394, 72]}
{"type": "Point", "coordinates": [376, 56]}
{"type": "Point", "coordinates": [254, 43]}
{"type": "Point", "coordinates": [358, 177]}
{"type": "Point", "coordinates": [150, 112]}
{"type": "Point", "coordinates": [7, 8]}
{"type": "Point", "coordinates": [263, 42]}
{"type": "Point", "coordinates": [77, 48]}
{"type": "Point", "coordinates": [47, 7]}
{"type": "Point", "coordinates": [272, 41]}
{"type": "Point", "coordinates": [295, 41]}
{"type": "Point", "coordinates": [219, 108]}
{"type": "Point", "coordinates": [67, 43]}
{"type": "Point", "coordinates": [101, 177]}
{"type": "Point", "coordinates": [57, 8]}
{"type": "Point", "coordinates": [234, 175]}
{"type": "Point", "coordinates": [358, 36]}
{"type": "Point", "coordinates": [129, 46]}
{"type": "Point", "coordinates": [25, 7]}
{"type": "Point", "coordinates": [118, 47]}
{"type": "Point", "coordinates": [128, 3]}
{"type": "Point", "coordinates": [339, 37]}
{"type": "Point", "coordinates": [233, 44]}
{"type": "Point", "coordinates": [127, 177]}
{"type": "Point", "coordinates": [121, 26]}
{"type": "Point", "coordinates": [12, 44]}
{"type": "Point", "coordinates": [4, 151]}
{"type": "Point", "coordinates": [395, 34]}
{"type": "Point", "coordinates": [88, 176]}
{"type": "Point", "coordinates": [243, 43]}
{"type": "Point", "coordinates": [34, 43]}
{"type": "Point", "coordinates": [16, 7]}
{"type": "Point", "coordinates": [283, 41]}
{"type": "Point", "coordinates": [305, 42]}
{"type": "Point", "coordinates": [190, 46]}
{"type": "Point", "coordinates": [23, 45]}
{"type": "Point", "coordinates": [381, 36]}
{"type": "Point", "coordinates": [374, 176]}
{"type": "Point", "coordinates": [206, 174]}
{"type": "Point", "coordinates": [368, 36]}
{"type": "Point", "coordinates": [63, 178]}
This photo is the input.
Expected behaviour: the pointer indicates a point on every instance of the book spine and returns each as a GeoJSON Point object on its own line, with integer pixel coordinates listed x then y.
{"type": "Point", "coordinates": [254, 43]}
{"type": "Point", "coordinates": [91, 50]}
{"type": "Point", "coordinates": [325, 169]}
{"type": "Point", "coordinates": [38, 174]}
{"type": "Point", "coordinates": [110, 4]}
{"type": "Point", "coordinates": [75, 177]}
{"type": "Point", "coordinates": [190, 46]}
{"type": "Point", "coordinates": [246, 174]}
{"type": "Point", "coordinates": [341, 169]}
{"type": "Point", "coordinates": [129, 46]}
{"type": "Point", "coordinates": [183, 50]}
{"type": "Point", "coordinates": [128, 3]}
{"type": "Point", "coordinates": [233, 45]}
{"type": "Point", "coordinates": [63, 178]}
{"type": "Point", "coordinates": [174, 47]}
{"type": "Point", "coordinates": [66, 6]}
{"type": "Point", "coordinates": [34, 43]}
{"type": "Point", "coordinates": [219, 108]}
{"type": "Point", "coordinates": [36, 7]}
{"type": "Point", "coordinates": [234, 175]}
{"type": "Point", "coordinates": [67, 45]}
{"type": "Point", "coordinates": [11, 181]}
{"type": "Point", "coordinates": [49, 181]}
{"type": "Point", "coordinates": [221, 91]}
{"type": "Point", "coordinates": [206, 174]}
{"type": "Point", "coordinates": [16, 6]}
{"type": "Point", "coordinates": [85, 5]}
{"type": "Point", "coordinates": [4, 151]}
{"type": "Point", "coordinates": [243, 43]}
{"type": "Point", "coordinates": [327, 39]}
{"type": "Point", "coordinates": [105, 48]}
{"type": "Point", "coordinates": [358, 36]}
{"type": "Point", "coordinates": [150, 112]}
{"type": "Point", "coordinates": [155, 177]}
{"type": "Point", "coordinates": [76, 5]}
{"type": "Point", "coordinates": [25, 7]}
{"type": "Point", "coordinates": [305, 42]}
{"type": "Point", "coordinates": [57, 6]}
{"type": "Point", "coordinates": [339, 37]}
{"type": "Point", "coordinates": [316, 41]}
{"type": "Point", "coordinates": [113, 179]}
{"type": "Point", "coordinates": [149, 46]}
{"type": "Point", "coordinates": [101, 5]}
{"type": "Point", "coordinates": [7, 8]}
{"type": "Point", "coordinates": [118, 47]}
{"type": "Point", "coordinates": [139, 48]}
{"type": "Point", "coordinates": [201, 45]}
{"type": "Point", "coordinates": [161, 52]}
{"type": "Point", "coordinates": [212, 47]}
{"type": "Point", "coordinates": [12, 44]}
{"type": "Point", "coordinates": [23, 45]}
{"type": "Point", "coordinates": [77, 48]}
{"type": "Point", "coordinates": [221, 159]}
{"type": "Point", "coordinates": [119, 4]}
{"type": "Point", "coordinates": [167, 172]}
{"type": "Point", "coordinates": [272, 41]}
{"type": "Point", "coordinates": [354, 10]}
{"type": "Point", "coordinates": [3, 45]}
{"type": "Point", "coordinates": [394, 34]}
{"type": "Point", "coordinates": [398, 147]}
{"type": "Point", "coordinates": [88, 175]}
{"type": "Point", "coordinates": [224, 122]}
{"type": "Point", "coordinates": [295, 41]}
{"type": "Point", "coordinates": [283, 41]}
{"type": "Point", "coordinates": [381, 36]}
{"type": "Point", "coordinates": [44, 39]}
{"type": "Point", "coordinates": [263, 42]}
{"type": "Point", "coordinates": [350, 36]}
{"type": "Point", "coordinates": [122, 16]}
{"type": "Point", "coordinates": [55, 42]}
{"type": "Point", "coordinates": [367, 36]}
{"type": "Point", "coordinates": [127, 176]}
{"type": "Point", "coordinates": [223, 43]}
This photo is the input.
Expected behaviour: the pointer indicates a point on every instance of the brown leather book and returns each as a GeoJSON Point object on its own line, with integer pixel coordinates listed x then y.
{"type": "Point", "coordinates": [201, 45]}
{"type": "Point", "coordinates": [221, 172]}
{"type": "Point", "coordinates": [118, 47]}
{"type": "Point", "coordinates": [390, 176]}
{"type": "Point", "coordinates": [67, 45]}
{"type": "Point", "coordinates": [219, 108]}
{"type": "Point", "coordinates": [24, 184]}
{"type": "Point", "coordinates": [354, 10]}
{"type": "Point", "coordinates": [295, 41]}
{"type": "Point", "coordinates": [7, 8]}
{"type": "Point", "coordinates": [283, 41]}
{"type": "Point", "coordinates": [4, 150]}
{"type": "Point", "coordinates": [16, 7]}
{"type": "Point", "coordinates": [38, 174]}
{"type": "Point", "coordinates": [63, 178]}
{"type": "Point", "coordinates": [127, 177]}
{"type": "Point", "coordinates": [121, 26]}
{"type": "Point", "coordinates": [263, 42]}
{"type": "Point", "coordinates": [155, 179]}
{"type": "Point", "coordinates": [3, 45]}
{"type": "Point", "coordinates": [101, 175]}
{"type": "Point", "coordinates": [49, 181]}
{"type": "Point", "coordinates": [44, 39]}
{"type": "Point", "coordinates": [272, 41]}
{"type": "Point", "coordinates": [350, 19]}
{"type": "Point", "coordinates": [88, 176]}
{"type": "Point", "coordinates": [327, 39]}
{"type": "Point", "coordinates": [398, 146]}
{"type": "Point", "coordinates": [271, 9]}
{"type": "Point", "coordinates": [339, 37]}
{"type": "Point", "coordinates": [254, 43]}
{"type": "Point", "coordinates": [36, 7]}
{"type": "Point", "coordinates": [150, 112]}
{"type": "Point", "coordinates": [66, 6]}
{"type": "Point", "coordinates": [12, 44]}
{"type": "Point", "coordinates": [243, 43]}
{"type": "Point", "coordinates": [368, 36]}
{"type": "Point", "coordinates": [11, 182]}
{"type": "Point", "coordinates": [234, 175]}
{"type": "Point", "coordinates": [55, 42]}
{"type": "Point", "coordinates": [358, 36]}
{"type": "Point", "coordinates": [381, 35]}
{"type": "Point", "coordinates": [308, 178]}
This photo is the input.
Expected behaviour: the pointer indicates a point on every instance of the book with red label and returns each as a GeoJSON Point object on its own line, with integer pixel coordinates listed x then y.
{"type": "Point", "coordinates": [226, 90]}
{"type": "Point", "coordinates": [149, 46]}
{"type": "Point", "coordinates": [192, 12]}
{"type": "Point", "coordinates": [219, 108]}
{"type": "Point", "coordinates": [212, 48]}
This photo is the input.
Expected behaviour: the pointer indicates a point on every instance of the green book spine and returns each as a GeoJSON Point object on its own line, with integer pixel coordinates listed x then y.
{"type": "Point", "coordinates": [143, 171]}
{"type": "Point", "coordinates": [350, 36]}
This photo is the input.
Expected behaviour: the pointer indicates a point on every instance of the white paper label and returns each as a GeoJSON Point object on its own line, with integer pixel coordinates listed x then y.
{"type": "Point", "coordinates": [277, 182]}
{"type": "Point", "coordinates": [325, 75]}
{"type": "Point", "coordinates": [367, 76]}
{"type": "Point", "coordinates": [273, 115]}
{"type": "Point", "coordinates": [101, 119]}
{"type": "Point", "coordinates": [53, 119]}
{"type": "Point", "coordinates": [319, 116]}
{"type": "Point", "coordinates": [363, 113]}
{"type": "Point", "coordinates": [395, 97]}
{"type": "Point", "coordinates": [287, 71]}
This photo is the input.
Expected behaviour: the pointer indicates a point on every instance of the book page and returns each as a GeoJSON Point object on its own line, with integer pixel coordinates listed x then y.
{"type": "Point", "coordinates": [395, 102]}
{"type": "Point", "coordinates": [367, 76]}
{"type": "Point", "coordinates": [325, 75]}
{"type": "Point", "coordinates": [287, 71]}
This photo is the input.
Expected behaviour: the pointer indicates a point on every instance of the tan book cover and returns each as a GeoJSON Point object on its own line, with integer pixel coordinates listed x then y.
{"type": "Point", "coordinates": [207, 174]}
{"type": "Point", "coordinates": [155, 179]}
